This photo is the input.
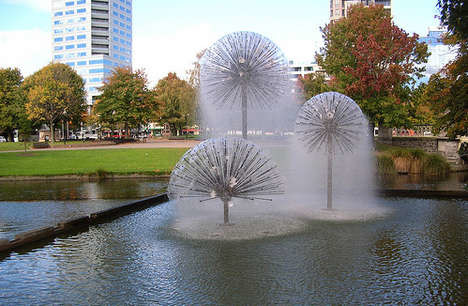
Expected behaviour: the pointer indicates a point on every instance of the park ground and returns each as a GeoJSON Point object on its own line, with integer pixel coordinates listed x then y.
{"type": "Point", "coordinates": [92, 159]}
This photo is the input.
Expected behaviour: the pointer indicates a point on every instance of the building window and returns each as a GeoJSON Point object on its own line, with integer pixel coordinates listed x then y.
{"type": "Point", "coordinates": [115, 30]}
{"type": "Point", "coordinates": [129, 19]}
{"type": "Point", "coordinates": [70, 3]}
{"type": "Point", "coordinates": [57, 22]}
{"type": "Point", "coordinates": [122, 17]}
{"type": "Point", "coordinates": [99, 70]}
{"type": "Point", "coordinates": [58, 31]}
{"type": "Point", "coordinates": [122, 33]}
{"type": "Point", "coordinates": [68, 38]}
{"type": "Point", "coordinates": [95, 80]}
{"type": "Point", "coordinates": [81, 28]}
{"type": "Point", "coordinates": [81, 54]}
{"type": "Point", "coordinates": [58, 39]}
{"type": "Point", "coordinates": [68, 47]}
{"type": "Point", "coordinates": [96, 62]}
{"type": "Point", "coordinates": [81, 10]}
{"type": "Point", "coordinates": [58, 56]}
{"type": "Point", "coordinates": [58, 48]}
{"type": "Point", "coordinates": [115, 13]}
{"type": "Point", "coordinates": [71, 64]}
{"type": "Point", "coordinates": [122, 8]}
{"type": "Point", "coordinates": [80, 2]}
{"type": "Point", "coordinates": [69, 30]}
{"type": "Point", "coordinates": [58, 14]}
{"type": "Point", "coordinates": [81, 36]}
{"type": "Point", "coordinates": [116, 22]}
{"type": "Point", "coordinates": [70, 55]}
{"type": "Point", "coordinates": [116, 48]}
{"type": "Point", "coordinates": [115, 5]}
{"type": "Point", "coordinates": [81, 63]}
{"type": "Point", "coordinates": [80, 46]}
{"type": "Point", "coordinates": [69, 12]}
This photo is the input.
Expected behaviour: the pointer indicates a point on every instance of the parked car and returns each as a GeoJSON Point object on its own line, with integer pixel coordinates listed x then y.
{"type": "Point", "coordinates": [2, 139]}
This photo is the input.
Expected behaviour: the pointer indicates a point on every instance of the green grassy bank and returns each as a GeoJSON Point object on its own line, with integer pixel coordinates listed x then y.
{"type": "Point", "coordinates": [81, 162]}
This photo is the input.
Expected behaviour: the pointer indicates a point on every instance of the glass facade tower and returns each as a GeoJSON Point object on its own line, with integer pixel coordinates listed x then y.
{"type": "Point", "coordinates": [93, 37]}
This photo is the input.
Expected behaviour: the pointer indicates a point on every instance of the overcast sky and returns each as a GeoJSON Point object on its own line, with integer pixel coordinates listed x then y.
{"type": "Point", "coordinates": [167, 34]}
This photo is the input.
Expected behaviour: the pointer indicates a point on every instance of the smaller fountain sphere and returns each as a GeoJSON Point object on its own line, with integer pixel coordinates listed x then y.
{"type": "Point", "coordinates": [330, 120]}
{"type": "Point", "coordinates": [243, 64]}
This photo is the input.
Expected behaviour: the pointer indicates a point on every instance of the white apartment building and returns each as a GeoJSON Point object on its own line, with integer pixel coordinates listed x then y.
{"type": "Point", "coordinates": [93, 37]}
{"type": "Point", "coordinates": [301, 68]}
{"type": "Point", "coordinates": [339, 8]}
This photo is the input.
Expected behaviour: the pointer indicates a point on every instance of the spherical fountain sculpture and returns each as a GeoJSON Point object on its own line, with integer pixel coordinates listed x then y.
{"type": "Point", "coordinates": [246, 69]}
{"type": "Point", "coordinates": [225, 168]}
{"type": "Point", "coordinates": [330, 122]}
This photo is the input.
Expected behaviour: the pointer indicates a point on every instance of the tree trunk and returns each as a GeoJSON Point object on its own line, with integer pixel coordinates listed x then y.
{"type": "Point", "coordinates": [52, 134]}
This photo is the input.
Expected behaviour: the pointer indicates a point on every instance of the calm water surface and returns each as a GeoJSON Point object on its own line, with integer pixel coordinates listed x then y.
{"type": "Point", "coordinates": [415, 255]}
{"type": "Point", "coordinates": [28, 205]}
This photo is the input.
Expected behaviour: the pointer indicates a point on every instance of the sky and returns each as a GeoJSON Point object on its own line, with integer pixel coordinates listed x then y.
{"type": "Point", "coordinates": [167, 34]}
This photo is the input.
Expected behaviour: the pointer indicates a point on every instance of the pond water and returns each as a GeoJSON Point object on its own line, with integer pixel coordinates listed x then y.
{"type": "Point", "coordinates": [417, 254]}
{"type": "Point", "coordinates": [28, 205]}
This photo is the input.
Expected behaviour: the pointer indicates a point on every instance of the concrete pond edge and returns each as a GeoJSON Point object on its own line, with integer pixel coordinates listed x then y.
{"type": "Point", "coordinates": [29, 238]}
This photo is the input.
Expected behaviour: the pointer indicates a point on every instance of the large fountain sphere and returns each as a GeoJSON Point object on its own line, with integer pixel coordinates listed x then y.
{"type": "Point", "coordinates": [243, 63]}
{"type": "Point", "coordinates": [225, 168]}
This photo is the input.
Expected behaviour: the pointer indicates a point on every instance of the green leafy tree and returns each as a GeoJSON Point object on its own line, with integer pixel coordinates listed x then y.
{"type": "Point", "coordinates": [55, 93]}
{"type": "Point", "coordinates": [125, 100]}
{"type": "Point", "coordinates": [176, 99]}
{"type": "Point", "coordinates": [312, 84]}
{"type": "Point", "coordinates": [374, 62]}
{"type": "Point", "coordinates": [447, 91]}
{"type": "Point", "coordinates": [12, 101]}
{"type": "Point", "coordinates": [454, 15]}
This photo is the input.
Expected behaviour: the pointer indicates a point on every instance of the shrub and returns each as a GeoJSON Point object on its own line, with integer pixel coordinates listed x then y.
{"type": "Point", "coordinates": [385, 165]}
{"type": "Point", "coordinates": [435, 165]}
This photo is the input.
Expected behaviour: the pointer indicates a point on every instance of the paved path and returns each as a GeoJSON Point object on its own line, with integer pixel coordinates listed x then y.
{"type": "Point", "coordinates": [136, 145]}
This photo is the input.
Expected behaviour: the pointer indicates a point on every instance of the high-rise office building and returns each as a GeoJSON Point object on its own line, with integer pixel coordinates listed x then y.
{"type": "Point", "coordinates": [339, 8]}
{"type": "Point", "coordinates": [441, 54]}
{"type": "Point", "coordinates": [93, 37]}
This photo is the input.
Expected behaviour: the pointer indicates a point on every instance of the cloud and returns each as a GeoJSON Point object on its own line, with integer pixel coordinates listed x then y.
{"type": "Point", "coordinates": [162, 53]}
{"type": "Point", "coordinates": [29, 50]}
{"type": "Point", "coordinates": [41, 5]}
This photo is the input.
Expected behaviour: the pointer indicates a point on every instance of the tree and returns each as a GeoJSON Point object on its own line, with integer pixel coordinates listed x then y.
{"type": "Point", "coordinates": [313, 84]}
{"type": "Point", "coordinates": [447, 91]}
{"type": "Point", "coordinates": [176, 99]}
{"type": "Point", "coordinates": [374, 62]}
{"type": "Point", "coordinates": [126, 100]}
{"type": "Point", "coordinates": [55, 93]}
{"type": "Point", "coordinates": [454, 15]}
{"type": "Point", "coordinates": [12, 101]}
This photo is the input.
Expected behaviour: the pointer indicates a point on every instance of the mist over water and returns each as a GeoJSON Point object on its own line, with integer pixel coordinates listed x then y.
{"type": "Point", "coordinates": [304, 175]}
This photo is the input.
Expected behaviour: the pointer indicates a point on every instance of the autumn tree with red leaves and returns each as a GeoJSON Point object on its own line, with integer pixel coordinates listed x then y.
{"type": "Point", "coordinates": [447, 91]}
{"type": "Point", "coordinates": [374, 62]}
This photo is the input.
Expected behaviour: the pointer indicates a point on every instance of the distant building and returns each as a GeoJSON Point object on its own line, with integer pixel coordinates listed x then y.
{"type": "Point", "coordinates": [441, 54]}
{"type": "Point", "coordinates": [93, 37]}
{"type": "Point", "coordinates": [339, 8]}
{"type": "Point", "coordinates": [297, 68]}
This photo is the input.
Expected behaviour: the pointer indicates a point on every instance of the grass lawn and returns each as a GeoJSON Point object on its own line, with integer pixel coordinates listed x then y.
{"type": "Point", "coordinates": [118, 161]}
{"type": "Point", "coordinates": [13, 146]}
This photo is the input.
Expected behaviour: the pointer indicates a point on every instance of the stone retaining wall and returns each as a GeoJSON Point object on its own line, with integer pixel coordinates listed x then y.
{"type": "Point", "coordinates": [444, 146]}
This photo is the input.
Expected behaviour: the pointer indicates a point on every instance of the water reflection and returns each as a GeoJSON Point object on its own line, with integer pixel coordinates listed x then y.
{"type": "Point", "coordinates": [62, 190]}
{"type": "Point", "coordinates": [416, 255]}
{"type": "Point", "coordinates": [455, 181]}
{"type": "Point", "coordinates": [28, 205]}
